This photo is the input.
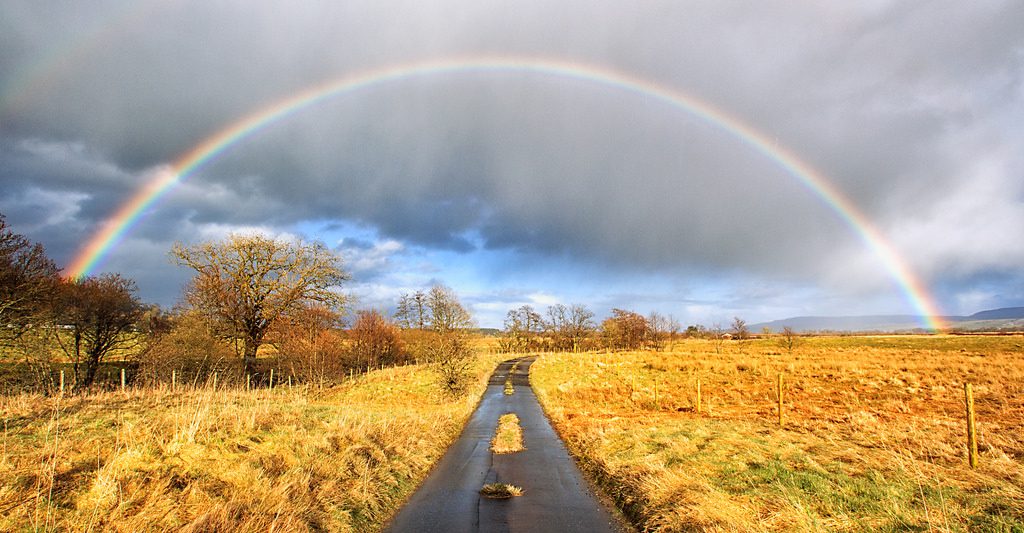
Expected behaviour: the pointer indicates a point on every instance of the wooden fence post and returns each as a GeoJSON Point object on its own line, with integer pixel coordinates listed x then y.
{"type": "Point", "coordinates": [62, 382]}
{"type": "Point", "coordinates": [698, 396]}
{"type": "Point", "coordinates": [780, 399]}
{"type": "Point", "coordinates": [972, 437]}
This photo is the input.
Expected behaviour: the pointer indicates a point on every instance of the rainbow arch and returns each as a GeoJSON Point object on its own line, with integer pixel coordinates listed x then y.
{"type": "Point", "coordinates": [126, 216]}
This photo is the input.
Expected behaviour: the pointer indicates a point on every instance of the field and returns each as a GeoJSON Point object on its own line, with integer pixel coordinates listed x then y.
{"type": "Point", "coordinates": [288, 459]}
{"type": "Point", "coordinates": [873, 435]}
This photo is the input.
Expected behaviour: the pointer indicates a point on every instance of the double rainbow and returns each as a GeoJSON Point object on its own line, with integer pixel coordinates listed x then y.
{"type": "Point", "coordinates": [131, 211]}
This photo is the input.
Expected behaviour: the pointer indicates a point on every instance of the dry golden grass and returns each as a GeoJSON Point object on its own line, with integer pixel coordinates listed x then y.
{"type": "Point", "coordinates": [874, 435]}
{"type": "Point", "coordinates": [299, 459]}
{"type": "Point", "coordinates": [500, 491]}
{"type": "Point", "coordinates": [509, 436]}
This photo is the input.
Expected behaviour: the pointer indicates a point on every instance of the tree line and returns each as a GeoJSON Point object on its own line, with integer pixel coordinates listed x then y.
{"type": "Point", "coordinates": [573, 328]}
{"type": "Point", "coordinates": [254, 303]}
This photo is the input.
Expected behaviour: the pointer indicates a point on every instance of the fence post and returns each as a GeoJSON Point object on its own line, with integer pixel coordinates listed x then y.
{"type": "Point", "coordinates": [698, 396]}
{"type": "Point", "coordinates": [780, 399]}
{"type": "Point", "coordinates": [972, 437]}
{"type": "Point", "coordinates": [122, 380]}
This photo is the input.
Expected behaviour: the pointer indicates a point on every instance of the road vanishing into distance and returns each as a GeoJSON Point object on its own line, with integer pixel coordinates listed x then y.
{"type": "Point", "coordinates": [555, 496]}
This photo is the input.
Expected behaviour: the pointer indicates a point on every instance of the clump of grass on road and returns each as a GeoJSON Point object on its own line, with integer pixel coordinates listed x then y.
{"type": "Point", "coordinates": [500, 491]}
{"type": "Point", "coordinates": [874, 435]}
{"type": "Point", "coordinates": [509, 388]}
{"type": "Point", "coordinates": [509, 436]}
{"type": "Point", "coordinates": [341, 459]}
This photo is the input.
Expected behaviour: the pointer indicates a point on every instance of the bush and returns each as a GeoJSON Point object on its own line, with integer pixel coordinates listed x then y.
{"type": "Point", "coordinates": [189, 348]}
{"type": "Point", "coordinates": [376, 341]}
{"type": "Point", "coordinates": [311, 347]}
{"type": "Point", "coordinates": [453, 357]}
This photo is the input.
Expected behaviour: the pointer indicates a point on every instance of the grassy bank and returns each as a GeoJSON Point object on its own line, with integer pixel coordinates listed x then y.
{"type": "Point", "coordinates": [873, 438]}
{"type": "Point", "coordinates": [338, 459]}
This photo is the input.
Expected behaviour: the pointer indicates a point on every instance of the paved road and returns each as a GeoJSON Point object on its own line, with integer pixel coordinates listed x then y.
{"type": "Point", "coordinates": [555, 496]}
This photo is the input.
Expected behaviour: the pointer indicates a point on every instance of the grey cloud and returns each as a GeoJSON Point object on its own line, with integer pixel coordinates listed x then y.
{"type": "Point", "coordinates": [894, 102]}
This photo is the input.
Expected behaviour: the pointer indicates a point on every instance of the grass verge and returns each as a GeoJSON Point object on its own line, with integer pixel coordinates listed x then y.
{"type": "Point", "coordinates": [874, 435]}
{"type": "Point", "coordinates": [340, 459]}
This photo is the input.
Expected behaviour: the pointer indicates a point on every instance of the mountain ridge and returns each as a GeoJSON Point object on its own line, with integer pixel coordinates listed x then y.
{"type": "Point", "coordinates": [990, 319]}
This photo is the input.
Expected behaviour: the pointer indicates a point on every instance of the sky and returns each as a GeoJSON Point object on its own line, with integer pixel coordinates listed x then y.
{"type": "Point", "coordinates": [517, 187]}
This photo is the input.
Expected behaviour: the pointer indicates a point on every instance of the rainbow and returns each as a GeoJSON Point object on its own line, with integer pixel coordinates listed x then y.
{"type": "Point", "coordinates": [63, 56]}
{"type": "Point", "coordinates": [130, 212]}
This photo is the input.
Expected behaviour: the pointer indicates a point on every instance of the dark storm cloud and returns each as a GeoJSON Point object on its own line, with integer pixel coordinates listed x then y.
{"type": "Point", "coordinates": [907, 107]}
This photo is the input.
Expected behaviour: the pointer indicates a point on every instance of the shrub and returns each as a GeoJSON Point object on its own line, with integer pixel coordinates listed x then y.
{"type": "Point", "coordinates": [376, 341]}
{"type": "Point", "coordinates": [453, 357]}
{"type": "Point", "coordinates": [191, 349]}
{"type": "Point", "coordinates": [312, 347]}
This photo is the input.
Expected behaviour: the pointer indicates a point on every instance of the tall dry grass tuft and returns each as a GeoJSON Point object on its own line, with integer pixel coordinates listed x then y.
{"type": "Point", "coordinates": [200, 459]}
{"type": "Point", "coordinates": [874, 435]}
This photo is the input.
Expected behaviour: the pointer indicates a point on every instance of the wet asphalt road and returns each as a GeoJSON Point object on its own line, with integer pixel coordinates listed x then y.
{"type": "Point", "coordinates": [555, 496]}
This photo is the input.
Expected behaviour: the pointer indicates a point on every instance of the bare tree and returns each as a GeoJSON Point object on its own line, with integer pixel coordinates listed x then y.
{"type": "Point", "coordinates": [658, 325]}
{"type": "Point", "coordinates": [739, 329]}
{"type": "Point", "coordinates": [448, 347]}
{"type": "Point", "coordinates": [101, 314]}
{"type": "Point", "coordinates": [789, 339]}
{"type": "Point", "coordinates": [28, 283]}
{"type": "Point", "coordinates": [673, 331]}
{"type": "Point", "coordinates": [580, 326]}
{"type": "Point", "coordinates": [247, 282]}
{"type": "Point", "coordinates": [522, 326]}
{"type": "Point", "coordinates": [403, 312]}
{"type": "Point", "coordinates": [420, 310]}
{"type": "Point", "coordinates": [446, 312]}
{"type": "Point", "coordinates": [556, 327]}
{"type": "Point", "coordinates": [717, 336]}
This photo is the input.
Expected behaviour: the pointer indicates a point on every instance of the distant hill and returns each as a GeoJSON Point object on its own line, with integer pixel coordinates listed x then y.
{"type": "Point", "coordinates": [1008, 318]}
{"type": "Point", "coordinates": [1006, 313]}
